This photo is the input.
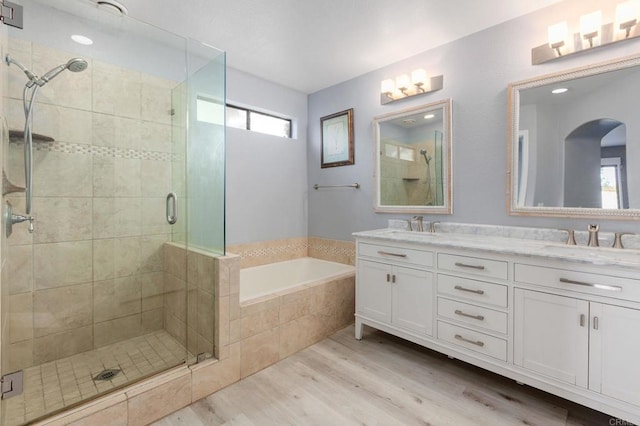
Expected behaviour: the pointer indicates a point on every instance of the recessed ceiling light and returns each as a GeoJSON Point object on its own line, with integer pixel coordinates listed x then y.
{"type": "Point", "coordinates": [82, 39]}
{"type": "Point", "coordinates": [408, 121]}
{"type": "Point", "coordinates": [429, 116]}
{"type": "Point", "coordinates": [559, 90]}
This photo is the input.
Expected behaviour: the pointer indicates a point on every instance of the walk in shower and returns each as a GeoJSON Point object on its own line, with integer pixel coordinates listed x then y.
{"type": "Point", "coordinates": [103, 146]}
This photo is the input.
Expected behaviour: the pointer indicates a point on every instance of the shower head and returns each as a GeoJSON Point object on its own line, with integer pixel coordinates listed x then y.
{"type": "Point", "coordinates": [31, 76]}
{"type": "Point", "coordinates": [427, 158]}
{"type": "Point", "coordinates": [73, 65]}
{"type": "Point", "coordinates": [77, 65]}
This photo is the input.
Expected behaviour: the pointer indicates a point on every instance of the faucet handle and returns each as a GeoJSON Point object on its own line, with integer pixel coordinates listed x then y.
{"type": "Point", "coordinates": [571, 237]}
{"type": "Point", "coordinates": [617, 243]}
{"type": "Point", "coordinates": [432, 225]}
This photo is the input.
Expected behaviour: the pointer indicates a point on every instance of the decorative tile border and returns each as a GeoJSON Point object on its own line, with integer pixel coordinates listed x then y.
{"type": "Point", "coordinates": [102, 151]}
{"type": "Point", "coordinates": [264, 252]}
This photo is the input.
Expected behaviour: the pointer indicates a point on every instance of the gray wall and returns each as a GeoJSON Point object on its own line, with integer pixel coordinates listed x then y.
{"type": "Point", "coordinates": [477, 70]}
{"type": "Point", "coordinates": [266, 175]}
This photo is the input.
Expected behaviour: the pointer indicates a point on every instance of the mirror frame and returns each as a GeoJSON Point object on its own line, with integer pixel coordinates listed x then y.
{"type": "Point", "coordinates": [512, 143]}
{"type": "Point", "coordinates": [447, 208]}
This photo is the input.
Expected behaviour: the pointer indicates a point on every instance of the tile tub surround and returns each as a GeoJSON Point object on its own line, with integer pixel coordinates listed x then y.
{"type": "Point", "coordinates": [261, 253]}
{"type": "Point", "coordinates": [248, 338]}
{"type": "Point", "coordinates": [91, 274]}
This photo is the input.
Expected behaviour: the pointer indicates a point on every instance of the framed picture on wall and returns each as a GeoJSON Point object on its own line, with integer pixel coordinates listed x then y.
{"type": "Point", "coordinates": [336, 135]}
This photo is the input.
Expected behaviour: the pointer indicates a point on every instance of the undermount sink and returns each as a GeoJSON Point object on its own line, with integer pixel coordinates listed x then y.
{"type": "Point", "coordinates": [595, 253]}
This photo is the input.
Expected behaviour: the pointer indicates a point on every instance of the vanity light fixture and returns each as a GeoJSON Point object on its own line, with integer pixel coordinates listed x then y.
{"type": "Point", "coordinates": [408, 85]}
{"type": "Point", "coordinates": [591, 33]}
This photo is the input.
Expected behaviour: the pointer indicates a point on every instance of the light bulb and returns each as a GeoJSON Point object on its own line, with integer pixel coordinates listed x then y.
{"type": "Point", "coordinates": [402, 82]}
{"type": "Point", "coordinates": [627, 15]}
{"type": "Point", "coordinates": [557, 35]}
{"type": "Point", "coordinates": [590, 25]}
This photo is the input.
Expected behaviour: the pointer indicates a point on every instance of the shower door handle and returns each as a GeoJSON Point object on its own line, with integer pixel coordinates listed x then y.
{"type": "Point", "coordinates": [172, 208]}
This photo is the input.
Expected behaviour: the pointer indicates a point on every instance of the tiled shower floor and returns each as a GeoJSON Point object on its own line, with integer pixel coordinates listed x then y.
{"type": "Point", "coordinates": [58, 384]}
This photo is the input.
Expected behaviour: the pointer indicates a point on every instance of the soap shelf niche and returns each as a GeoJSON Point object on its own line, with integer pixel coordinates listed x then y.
{"type": "Point", "coordinates": [18, 136]}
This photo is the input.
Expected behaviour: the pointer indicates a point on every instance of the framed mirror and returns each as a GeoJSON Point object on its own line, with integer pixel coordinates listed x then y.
{"type": "Point", "coordinates": [574, 143]}
{"type": "Point", "coordinates": [412, 153]}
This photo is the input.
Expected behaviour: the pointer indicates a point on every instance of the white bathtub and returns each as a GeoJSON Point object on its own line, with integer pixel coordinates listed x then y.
{"type": "Point", "coordinates": [272, 278]}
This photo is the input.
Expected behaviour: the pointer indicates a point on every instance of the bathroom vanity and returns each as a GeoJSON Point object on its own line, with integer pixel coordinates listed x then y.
{"type": "Point", "coordinates": [560, 318]}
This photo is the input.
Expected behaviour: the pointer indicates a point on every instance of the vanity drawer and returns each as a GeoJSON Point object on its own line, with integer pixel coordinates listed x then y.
{"type": "Point", "coordinates": [474, 290]}
{"type": "Point", "coordinates": [473, 265]}
{"type": "Point", "coordinates": [473, 315]}
{"type": "Point", "coordinates": [473, 340]}
{"type": "Point", "coordinates": [396, 254]}
{"type": "Point", "coordinates": [584, 282]}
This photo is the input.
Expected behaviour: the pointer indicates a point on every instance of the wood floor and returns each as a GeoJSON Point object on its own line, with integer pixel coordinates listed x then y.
{"type": "Point", "coordinates": [380, 380]}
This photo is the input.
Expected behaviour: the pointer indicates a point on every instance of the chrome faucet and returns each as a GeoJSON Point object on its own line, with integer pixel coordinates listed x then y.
{"type": "Point", "coordinates": [432, 226]}
{"type": "Point", "coordinates": [420, 227]}
{"type": "Point", "coordinates": [593, 235]}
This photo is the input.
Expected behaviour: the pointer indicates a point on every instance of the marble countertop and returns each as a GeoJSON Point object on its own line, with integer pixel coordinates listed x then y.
{"type": "Point", "coordinates": [538, 244]}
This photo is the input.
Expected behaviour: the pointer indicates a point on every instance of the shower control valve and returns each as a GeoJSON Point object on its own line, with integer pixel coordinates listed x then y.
{"type": "Point", "coordinates": [18, 218]}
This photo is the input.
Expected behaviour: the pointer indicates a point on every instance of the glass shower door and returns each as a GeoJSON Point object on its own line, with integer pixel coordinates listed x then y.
{"type": "Point", "coordinates": [96, 297]}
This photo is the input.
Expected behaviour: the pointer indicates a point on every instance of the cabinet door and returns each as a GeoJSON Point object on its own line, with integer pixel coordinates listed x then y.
{"type": "Point", "coordinates": [413, 300]}
{"type": "Point", "coordinates": [551, 335]}
{"type": "Point", "coordinates": [615, 352]}
{"type": "Point", "coordinates": [373, 291]}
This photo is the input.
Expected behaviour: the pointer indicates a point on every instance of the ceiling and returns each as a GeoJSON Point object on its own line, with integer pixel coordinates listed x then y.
{"type": "Point", "coordinates": [309, 45]}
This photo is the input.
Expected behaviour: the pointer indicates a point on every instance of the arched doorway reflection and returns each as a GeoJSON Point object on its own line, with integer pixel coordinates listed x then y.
{"type": "Point", "coordinates": [594, 165]}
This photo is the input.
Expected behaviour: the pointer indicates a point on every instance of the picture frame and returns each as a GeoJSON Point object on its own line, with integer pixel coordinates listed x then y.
{"type": "Point", "coordinates": [336, 139]}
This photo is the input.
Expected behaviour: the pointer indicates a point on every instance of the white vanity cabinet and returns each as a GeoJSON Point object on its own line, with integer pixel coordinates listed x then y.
{"type": "Point", "coordinates": [395, 288]}
{"type": "Point", "coordinates": [551, 336]}
{"type": "Point", "coordinates": [472, 310]}
{"type": "Point", "coordinates": [582, 339]}
{"type": "Point", "coordinates": [564, 324]}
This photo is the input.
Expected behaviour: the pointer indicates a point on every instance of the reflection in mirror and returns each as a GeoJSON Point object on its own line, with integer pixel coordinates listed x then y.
{"type": "Point", "coordinates": [413, 160]}
{"type": "Point", "coordinates": [575, 143]}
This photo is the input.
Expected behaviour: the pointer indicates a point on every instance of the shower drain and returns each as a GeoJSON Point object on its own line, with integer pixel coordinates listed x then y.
{"type": "Point", "coordinates": [107, 374]}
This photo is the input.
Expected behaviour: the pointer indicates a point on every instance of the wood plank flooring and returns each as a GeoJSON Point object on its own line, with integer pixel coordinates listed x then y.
{"type": "Point", "coordinates": [380, 380]}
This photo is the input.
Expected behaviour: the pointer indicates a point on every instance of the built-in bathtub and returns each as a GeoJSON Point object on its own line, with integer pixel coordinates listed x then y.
{"type": "Point", "coordinates": [287, 276]}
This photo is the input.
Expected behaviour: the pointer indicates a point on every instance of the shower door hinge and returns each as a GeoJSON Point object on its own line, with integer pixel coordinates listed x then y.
{"type": "Point", "coordinates": [11, 384]}
{"type": "Point", "coordinates": [11, 14]}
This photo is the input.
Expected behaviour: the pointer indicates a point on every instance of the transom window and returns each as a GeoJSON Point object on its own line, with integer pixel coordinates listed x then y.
{"type": "Point", "coordinates": [244, 118]}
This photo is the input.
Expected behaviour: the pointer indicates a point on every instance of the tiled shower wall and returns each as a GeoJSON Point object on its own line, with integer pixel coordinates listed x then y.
{"type": "Point", "coordinates": [403, 182]}
{"type": "Point", "coordinates": [91, 273]}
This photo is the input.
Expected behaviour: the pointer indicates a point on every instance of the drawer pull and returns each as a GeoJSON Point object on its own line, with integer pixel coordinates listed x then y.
{"type": "Point", "coordinates": [473, 342]}
{"type": "Point", "coordinates": [598, 286]}
{"type": "Point", "coordinates": [386, 253]}
{"type": "Point", "coordinates": [470, 290]}
{"type": "Point", "coordinates": [462, 314]}
{"type": "Point", "coordinates": [464, 265]}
